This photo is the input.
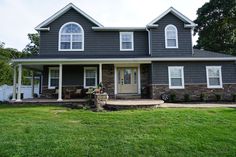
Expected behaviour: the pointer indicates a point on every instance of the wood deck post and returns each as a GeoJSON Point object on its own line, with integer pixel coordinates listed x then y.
{"type": "Point", "coordinates": [14, 84]}
{"type": "Point", "coordinates": [60, 84]}
{"type": "Point", "coordinates": [19, 83]}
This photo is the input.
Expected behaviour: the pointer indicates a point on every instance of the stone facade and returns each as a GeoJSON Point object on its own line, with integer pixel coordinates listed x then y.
{"type": "Point", "coordinates": [108, 79]}
{"type": "Point", "coordinates": [194, 91]}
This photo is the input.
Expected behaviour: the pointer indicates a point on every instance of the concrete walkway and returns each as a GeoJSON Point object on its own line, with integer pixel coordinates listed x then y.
{"type": "Point", "coordinates": [196, 105]}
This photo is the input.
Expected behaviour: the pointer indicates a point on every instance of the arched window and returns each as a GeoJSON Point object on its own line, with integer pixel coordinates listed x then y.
{"type": "Point", "coordinates": [171, 36]}
{"type": "Point", "coordinates": [71, 37]}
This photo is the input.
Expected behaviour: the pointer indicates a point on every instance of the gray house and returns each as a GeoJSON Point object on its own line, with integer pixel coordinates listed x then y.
{"type": "Point", "coordinates": [77, 52]}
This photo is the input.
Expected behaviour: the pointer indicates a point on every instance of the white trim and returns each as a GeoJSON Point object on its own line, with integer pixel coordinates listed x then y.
{"type": "Point", "coordinates": [19, 83]}
{"type": "Point", "coordinates": [49, 77]}
{"type": "Point", "coordinates": [220, 77]}
{"type": "Point", "coordinates": [139, 80]}
{"type": "Point", "coordinates": [14, 83]}
{"type": "Point", "coordinates": [62, 11]}
{"type": "Point", "coordinates": [96, 76]}
{"type": "Point", "coordinates": [115, 79]}
{"type": "Point", "coordinates": [119, 28]}
{"type": "Point", "coordinates": [44, 29]}
{"type": "Point", "coordinates": [176, 13]}
{"type": "Point", "coordinates": [149, 41]}
{"type": "Point", "coordinates": [100, 73]}
{"type": "Point", "coordinates": [60, 84]}
{"type": "Point", "coordinates": [71, 34]}
{"type": "Point", "coordinates": [176, 36]}
{"type": "Point", "coordinates": [112, 60]}
{"type": "Point", "coordinates": [182, 77]}
{"type": "Point", "coordinates": [132, 40]}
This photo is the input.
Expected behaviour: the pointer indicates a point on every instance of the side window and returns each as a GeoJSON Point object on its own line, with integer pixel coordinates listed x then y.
{"type": "Point", "coordinates": [214, 76]}
{"type": "Point", "coordinates": [71, 37]}
{"type": "Point", "coordinates": [53, 77]}
{"type": "Point", "coordinates": [176, 77]}
{"type": "Point", "coordinates": [90, 77]}
{"type": "Point", "coordinates": [126, 41]}
{"type": "Point", "coordinates": [171, 36]}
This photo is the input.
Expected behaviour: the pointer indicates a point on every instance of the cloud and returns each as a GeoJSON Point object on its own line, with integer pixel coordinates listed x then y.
{"type": "Point", "coordinates": [18, 18]}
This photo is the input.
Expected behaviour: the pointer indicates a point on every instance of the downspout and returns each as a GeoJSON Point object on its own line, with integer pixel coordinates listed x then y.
{"type": "Point", "coordinates": [149, 41]}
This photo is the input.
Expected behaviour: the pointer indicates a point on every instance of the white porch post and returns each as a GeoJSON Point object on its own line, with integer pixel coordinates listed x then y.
{"type": "Point", "coordinates": [60, 84]}
{"type": "Point", "coordinates": [14, 85]}
{"type": "Point", "coordinates": [139, 80]}
{"type": "Point", "coordinates": [19, 83]}
{"type": "Point", "coordinates": [100, 73]}
{"type": "Point", "coordinates": [32, 84]}
{"type": "Point", "coordinates": [115, 80]}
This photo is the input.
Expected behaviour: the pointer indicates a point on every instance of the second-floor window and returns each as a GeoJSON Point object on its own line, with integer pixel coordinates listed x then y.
{"type": "Point", "coordinates": [71, 37]}
{"type": "Point", "coordinates": [126, 41]}
{"type": "Point", "coordinates": [171, 36]}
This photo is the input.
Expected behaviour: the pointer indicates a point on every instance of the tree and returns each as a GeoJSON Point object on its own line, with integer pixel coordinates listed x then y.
{"type": "Point", "coordinates": [33, 46]}
{"type": "Point", "coordinates": [217, 26]}
{"type": "Point", "coordinates": [2, 44]}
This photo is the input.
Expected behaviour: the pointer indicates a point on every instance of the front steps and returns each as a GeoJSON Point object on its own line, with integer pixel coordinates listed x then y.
{"type": "Point", "coordinates": [128, 96]}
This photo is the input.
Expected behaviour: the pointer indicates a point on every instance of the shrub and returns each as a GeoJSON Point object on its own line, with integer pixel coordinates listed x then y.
{"type": "Point", "coordinates": [187, 98]}
{"type": "Point", "coordinates": [218, 97]}
{"type": "Point", "coordinates": [172, 97]}
{"type": "Point", "coordinates": [234, 97]}
{"type": "Point", "coordinates": [203, 97]}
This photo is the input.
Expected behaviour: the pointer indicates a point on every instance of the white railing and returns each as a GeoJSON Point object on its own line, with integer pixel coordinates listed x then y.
{"type": "Point", "coordinates": [6, 91]}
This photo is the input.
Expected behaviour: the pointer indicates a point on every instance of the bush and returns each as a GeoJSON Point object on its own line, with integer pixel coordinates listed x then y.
{"type": "Point", "coordinates": [218, 97]}
{"type": "Point", "coordinates": [172, 97]}
{"type": "Point", "coordinates": [234, 97]}
{"type": "Point", "coordinates": [187, 98]}
{"type": "Point", "coordinates": [203, 97]}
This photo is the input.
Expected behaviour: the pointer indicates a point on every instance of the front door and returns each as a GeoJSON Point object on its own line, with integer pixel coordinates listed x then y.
{"type": "Point", "coordinates": [127, 80]}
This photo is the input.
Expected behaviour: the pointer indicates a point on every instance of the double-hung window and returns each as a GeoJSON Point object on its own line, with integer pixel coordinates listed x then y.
{"type": "Point", "coordinates": [71, 37]}
{"type": "Point", "coordinates": [53, 77]}
{"type": "Point", "coordinates": [90, 77]}
{"type": "Point", "coordinates": [214, 76]}
{"type": "Point", "coordinates": [176, 77]}
{"type": "Point", "coordinates": [126, 41]}
{"type": "Point", "coordinates": [171, 36]}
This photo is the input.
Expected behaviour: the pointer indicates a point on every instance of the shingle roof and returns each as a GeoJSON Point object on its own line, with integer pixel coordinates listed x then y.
{"type": "Point", "coordinates": [208, 54]}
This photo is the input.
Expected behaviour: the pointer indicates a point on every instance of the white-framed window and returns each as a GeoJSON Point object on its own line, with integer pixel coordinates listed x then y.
{"type": "Point", "coordinates": [176, 77]}
{"type": "Point", "coordinates": [126, 41]}
{"type": "Point", "coordinates": [214, 76]}
{"type": "Point", "coordinates": [90, 77]}
{"type": "Point", "coordinates": [71, 37]}
{"type": "Point", "coordinates": [171, 36]}
{"type": "Point", "coordinates": [53, 77]}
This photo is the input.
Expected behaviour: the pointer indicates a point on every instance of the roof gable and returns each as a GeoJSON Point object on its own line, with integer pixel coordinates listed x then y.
{"type": "Point", "coordinates": [172, 10]}
{"type": "Point", "coordinates": [61, 12]}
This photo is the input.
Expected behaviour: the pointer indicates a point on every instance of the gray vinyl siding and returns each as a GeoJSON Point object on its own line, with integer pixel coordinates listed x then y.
{"type": "Point", "coordinates": [158, 38]}
{"type": "Point", "coordinates": [72, 75]}
{"type": "Point", "coordinates": [194, 72]}
{"type": "Point", "coordinates": [95, 43]}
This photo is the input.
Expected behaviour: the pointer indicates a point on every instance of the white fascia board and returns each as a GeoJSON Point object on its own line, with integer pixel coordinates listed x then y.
{"type": "Point", "coordinates": [119, 28]}
{"type": "Point", "coordinates": [176, 13]}
{"type": "Point", "coordinates": [62, 11]}
{"type": "Point", "coordinates": [112, 60]}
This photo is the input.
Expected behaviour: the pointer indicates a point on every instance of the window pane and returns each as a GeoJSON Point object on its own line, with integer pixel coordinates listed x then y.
{"type": "Point", "coordinates": [71, 28]}
{"type": "Point", "coordinates": [170, 28]}
{"type": "Point", "coordinates": [176, 73]}
{"type": "Point", "coordinates": [213, 72]}
{"type": "Point", "coordinates": [126, 38]}
{"type": "Point", "coordinates": [127, 76]}
{"type": "Point", "coordinates": [176, 82]}
{"type": "Point", "coordinates": [76, 45]}
{"type": "Point", "coordinates": [77, 38]}
{"type": "Point", "coordinates": [66, 29]}
{"type": "Point", "coordinates": [214, 81]}
{"type": "Point", "coordinates": [126, 45]}
{"type": "Point", "coordinates": [65, 45]}
{"type": "Point", "coordinates": [65, 38]}
{"type": "Point", "coordinates": [90, 81]}
{"type": "Point", "coordinates": [54, 73]}
{"type": "Point", "coordinates": [54, 82]}
{"type": "Point", "coordinates": [171, 35]}
{"type": "Point", "coordinates": [171, 42]}
{"type": "Point", "coordinates": [90, 73]}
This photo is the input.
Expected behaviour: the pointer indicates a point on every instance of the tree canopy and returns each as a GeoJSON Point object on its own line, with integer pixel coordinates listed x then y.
{"type": "Point", "coordinates": [33, 46]}
{"type": "Point", "coordinates": [217, 26]}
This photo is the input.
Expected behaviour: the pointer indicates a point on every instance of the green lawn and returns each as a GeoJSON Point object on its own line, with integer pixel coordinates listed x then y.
{"type": "Point", "coordinates": [57, 131]}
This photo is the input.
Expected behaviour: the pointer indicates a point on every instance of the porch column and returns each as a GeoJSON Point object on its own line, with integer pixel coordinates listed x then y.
{"type": "Point", "coordinates": [139, 80]}
{"type": "Point", "coordinates": [19, 83]}
{"type": "Point", "coordinates": [60, 84]}
{"type": "Point", "coordinates": [32, 84]}
{"type": "Point", "coordinates": [14, 84]}
{"type": "Point", "coordinates": [100, 73]}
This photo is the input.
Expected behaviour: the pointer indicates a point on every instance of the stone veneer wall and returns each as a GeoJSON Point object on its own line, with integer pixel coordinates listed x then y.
{"type": "Point", "coordinates": [108, 79]}
{"type": "Point", "coordinates": [194, 91]}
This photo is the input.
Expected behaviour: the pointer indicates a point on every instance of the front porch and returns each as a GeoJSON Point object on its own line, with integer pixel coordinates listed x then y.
{"type": "Point", "coordinates": [70, 81]}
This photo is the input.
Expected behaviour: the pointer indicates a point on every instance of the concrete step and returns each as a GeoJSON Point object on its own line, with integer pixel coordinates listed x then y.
{"type": "Point", "coordinates": [128, 96]}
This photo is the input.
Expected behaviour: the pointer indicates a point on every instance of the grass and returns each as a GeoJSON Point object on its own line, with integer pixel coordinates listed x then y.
{"type": "Point", "coordinates": [57, 131]}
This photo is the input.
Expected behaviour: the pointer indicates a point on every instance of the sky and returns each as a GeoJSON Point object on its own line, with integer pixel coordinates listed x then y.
{"type": "Point", "coordinates": [20, 17]}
